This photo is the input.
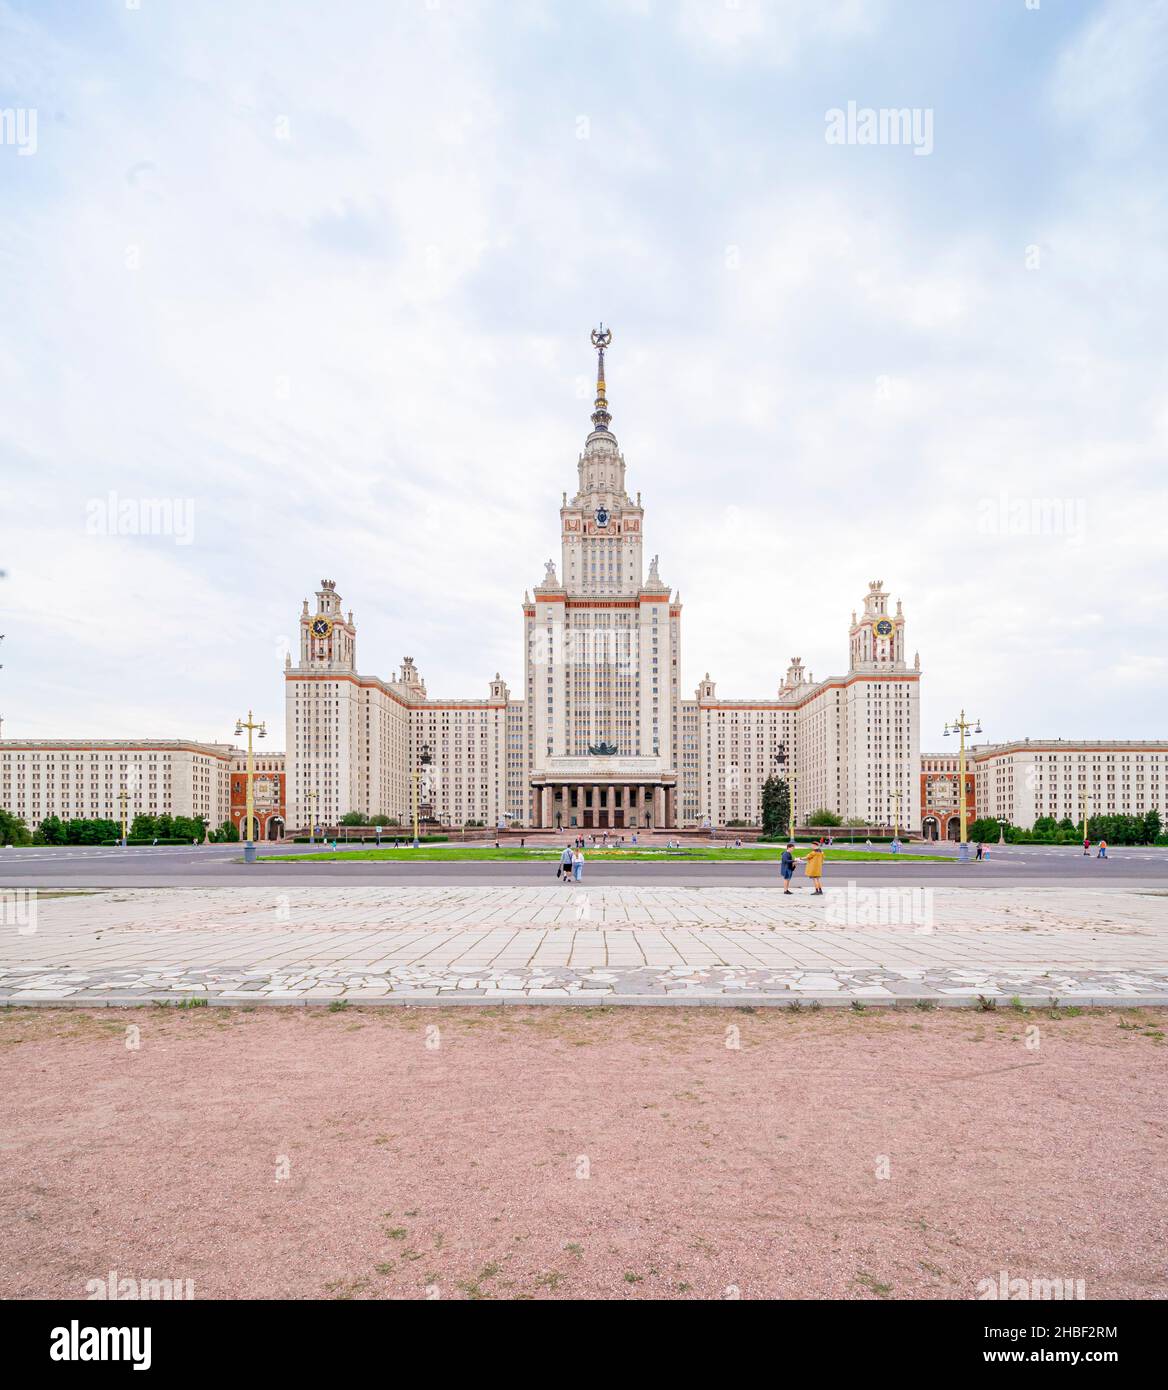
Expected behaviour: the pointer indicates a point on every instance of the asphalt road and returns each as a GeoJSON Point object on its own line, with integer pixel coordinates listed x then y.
{"type": "Point", "coordinates": [222, 866]}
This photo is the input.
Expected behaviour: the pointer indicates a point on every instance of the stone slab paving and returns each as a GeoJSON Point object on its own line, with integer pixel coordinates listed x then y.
{"type": "Point", "coordinates": [618, 945]}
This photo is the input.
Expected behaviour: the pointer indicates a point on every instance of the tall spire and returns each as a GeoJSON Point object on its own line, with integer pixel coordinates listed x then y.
{"type": "Point", "coordinates": [601, 337]}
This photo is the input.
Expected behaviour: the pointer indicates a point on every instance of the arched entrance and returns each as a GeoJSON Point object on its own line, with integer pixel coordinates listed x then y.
{"type": "Point", "coordinates": [275, 827]}
{"type": "Point", "coordinates": [953, 828]}
{"type": "Point", "coordinates": [930, 828]}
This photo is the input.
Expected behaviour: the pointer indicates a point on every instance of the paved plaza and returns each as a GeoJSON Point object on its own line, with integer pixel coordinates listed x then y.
{"type": "Point", "coordinates": [580, 944]}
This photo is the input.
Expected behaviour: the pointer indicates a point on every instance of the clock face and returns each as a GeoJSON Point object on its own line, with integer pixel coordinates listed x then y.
{"type": "Point", "coordinates": [882, 627]}
{"type": "Point", "coordinates": [602, 516]}
{"type": "Point", "coordinates": [321, 627]}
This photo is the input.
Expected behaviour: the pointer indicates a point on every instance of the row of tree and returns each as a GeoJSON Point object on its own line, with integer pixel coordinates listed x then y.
{"type": "Point", "coordinates": [55, 831]}
{"type": "Point", "coordinates": [1115, 829]}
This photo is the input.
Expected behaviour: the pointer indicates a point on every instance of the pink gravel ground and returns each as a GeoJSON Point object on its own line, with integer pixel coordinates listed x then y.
{"type": "Point", "coordinates": [582, 1153]}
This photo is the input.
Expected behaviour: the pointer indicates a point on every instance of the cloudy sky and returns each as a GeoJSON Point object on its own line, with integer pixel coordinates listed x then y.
{"type": "Point", "coordinates": [322, 276]}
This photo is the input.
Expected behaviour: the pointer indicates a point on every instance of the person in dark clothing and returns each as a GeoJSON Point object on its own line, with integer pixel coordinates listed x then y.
{"type": "Point", "coordinates": [787, 866]}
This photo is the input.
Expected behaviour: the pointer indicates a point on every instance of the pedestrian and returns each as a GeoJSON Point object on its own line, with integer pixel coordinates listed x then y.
{"type": "Point", "coordinates": [1086, 846]}
{"type": "Point", "coordinates": [787, 866]}
{"type": "Point", "coordinates": [814, 863]}
{"type": "Point", "coordinates": [895, 846]}
{"type": "Point", "coordinates": [522, 842]}
{"type": "Point", "coordinates": [565, 868]}
{"type": "Point", "coordinates": [980, 851]}
{"type": "Point", "coordinates": [1102, 849]}
{"type": "Point", "coordinates": [578, 866]}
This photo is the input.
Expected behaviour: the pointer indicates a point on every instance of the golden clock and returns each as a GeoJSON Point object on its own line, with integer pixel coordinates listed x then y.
{"type": "Point", "coordinates": [321, 627]}
{"type": "Point", "coordinates": [882, 627]}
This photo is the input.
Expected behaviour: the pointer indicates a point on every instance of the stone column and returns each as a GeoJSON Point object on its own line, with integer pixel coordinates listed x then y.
{"type": "Point", "coordinates": [579, 808]}
{"type": "Point", "coordinates": [642, 805]}
{"type": "Point", "coordinates": [546, 809]}
{"type": "Point", "coordinates": [658, 808]}
{"type": "Point", "coordinates": [609, 819]}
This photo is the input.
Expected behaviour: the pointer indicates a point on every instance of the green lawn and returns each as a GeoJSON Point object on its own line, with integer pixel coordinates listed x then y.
{"type": "Point", "coordinates": [698, 852]}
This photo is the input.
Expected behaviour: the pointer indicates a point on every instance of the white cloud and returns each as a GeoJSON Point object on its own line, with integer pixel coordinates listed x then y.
{"type": "Point", "coordinates": [362, 352]}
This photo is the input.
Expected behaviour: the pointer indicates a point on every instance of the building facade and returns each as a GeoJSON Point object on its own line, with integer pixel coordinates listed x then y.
{"type": "Point", "coordinates": [83, 778]}
{"type": "Point", "coordinates": [1021, 782]}
{"type": "Point", "coordinates": [269, 802]}
{"type": "Point", "coordinates": [940, 795]}
{"type": "Point", "coordinates": [599, 734]}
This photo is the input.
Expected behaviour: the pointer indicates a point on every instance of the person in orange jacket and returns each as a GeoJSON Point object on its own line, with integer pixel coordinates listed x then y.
{"type": "Point", "coordinates": [814, 862]}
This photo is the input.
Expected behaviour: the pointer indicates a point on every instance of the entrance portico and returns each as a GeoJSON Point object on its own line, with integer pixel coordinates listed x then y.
{"type": "Point", "coordinates": [598, 793]}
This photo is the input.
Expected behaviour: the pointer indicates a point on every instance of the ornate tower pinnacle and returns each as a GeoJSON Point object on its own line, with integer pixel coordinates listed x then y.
{"type": "Point", "coordinates": [601, 419]}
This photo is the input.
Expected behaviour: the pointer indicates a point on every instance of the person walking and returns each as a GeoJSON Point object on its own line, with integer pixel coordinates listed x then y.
{"type": "Point", "coordinates": [980, 851]}
{"type": "Point", "coordinates": [1102, 849]}
{"type": "Point", "coordinates": [578, 866]}
{"type": "Point", "coordinates": [565, 869]}
{"type": "Point", "coordinates": [1086, 846]}
{"type": "Point", "coordinates": [814, 862]}
{"type": "Point", "coordinates": [787, 866]}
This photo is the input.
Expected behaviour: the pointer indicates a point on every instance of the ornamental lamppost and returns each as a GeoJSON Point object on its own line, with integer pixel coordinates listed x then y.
{"type": "Point", "coordinates": [424, 760]}
{"type": "Point", "coordinates": [895, 814]}
{"type": "Point", "coordinates": [790, 779]}
{"type": "Point", "coordinates": [123, 797]}
{"type": "Point", "coordinates": [963, 726]}
{"type": "Point", "coordinates": [249, 849]}
{"type": "Point", "coordinates": [1085, 807]}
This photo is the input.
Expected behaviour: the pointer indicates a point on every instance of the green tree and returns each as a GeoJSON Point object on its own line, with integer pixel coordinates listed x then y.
{"type": "Point", "coordinates": [986, 829]}
{"type": "Point", "coordinates": [353, 818]}
{"type": "Point", "coordinates": [13, 830]}
{"type": "Point", "coordinates": [823, 817]}
{"type": "Point", "coordinates": [776, 808]}
{"type": "Point", "coordinates": [1152, 827]}
{"type": "Point", "coordinates": [143, 827]}
{"type": "Point", "coordinates": [51, 831]}
{"type": "Point", "coordinates": [226, 834]}
{"type": "Point", "coordinates": [188, 828]}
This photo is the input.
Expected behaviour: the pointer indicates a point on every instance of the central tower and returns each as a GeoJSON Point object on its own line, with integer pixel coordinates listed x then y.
{"type": "Point", "coordinates": [602, 647]}
{"type": "Point", "coordinates": [600, 527]}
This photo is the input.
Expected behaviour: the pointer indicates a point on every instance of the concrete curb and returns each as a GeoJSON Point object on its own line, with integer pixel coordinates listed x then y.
{"type": "Point", "coordinates": [753, 1001]}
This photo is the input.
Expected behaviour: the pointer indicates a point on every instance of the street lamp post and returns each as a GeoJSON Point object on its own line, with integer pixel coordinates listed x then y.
{"type": "Point", "coordinates": [895, 814]}
{"type": "Point", "coordinates": [962, 726]}
{"type": "Point", "coordinates": [424, 760]}
{"type": "Point", "coordinates": [790, 778]}
{"type": "Point", "coordinates": [310, 797]}
{"type": "Point", "coordinates": [124, 797]}
{"type": "Point", "coordinates": [1086, 804]}
{"type": "Point", "coordinates": [249, 849]}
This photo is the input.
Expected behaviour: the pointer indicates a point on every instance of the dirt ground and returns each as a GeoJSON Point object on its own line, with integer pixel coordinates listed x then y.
{"type": "Point", "coordinates": [539, 1152]}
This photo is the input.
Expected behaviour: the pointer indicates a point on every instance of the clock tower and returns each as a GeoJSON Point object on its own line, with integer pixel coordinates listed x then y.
{"type": "Point", "coordinates": [876, 639]}
{"type": "Point", "coordinates": [328, 639]}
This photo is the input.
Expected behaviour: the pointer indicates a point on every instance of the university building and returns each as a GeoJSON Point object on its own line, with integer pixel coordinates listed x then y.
{"type": "Point", "coordinates": [599, 733]}
{"type": "Point", "coordinates": [83, 778]}
{"type": "Point", "coordinates": [1020, 782]}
